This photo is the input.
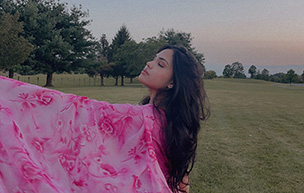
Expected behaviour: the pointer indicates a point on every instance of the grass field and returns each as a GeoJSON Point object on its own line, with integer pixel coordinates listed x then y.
{"type": "Point", "coordinates": [253, 141]}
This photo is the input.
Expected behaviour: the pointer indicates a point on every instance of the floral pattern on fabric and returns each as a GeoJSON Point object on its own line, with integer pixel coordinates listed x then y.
{"type": "Point", "coordinates": [61, 143]}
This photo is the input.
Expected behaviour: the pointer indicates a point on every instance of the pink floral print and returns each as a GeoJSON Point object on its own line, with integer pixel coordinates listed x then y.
{"type": "Point", "coordinates": [61, 143]}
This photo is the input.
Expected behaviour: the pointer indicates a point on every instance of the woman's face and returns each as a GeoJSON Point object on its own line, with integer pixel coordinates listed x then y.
{"type": "Point", "coordinates": [158, 73]}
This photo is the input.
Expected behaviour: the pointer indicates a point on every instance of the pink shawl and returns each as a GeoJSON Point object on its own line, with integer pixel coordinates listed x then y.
{"type": "Point", "coordinates": [60, 143]}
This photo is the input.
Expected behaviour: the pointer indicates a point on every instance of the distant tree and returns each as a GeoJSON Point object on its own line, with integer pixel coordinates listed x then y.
{"type": "Point", "coordinates": [291, 76]}
{"type": "Point", "coordinates": [283, 78]}
{"type": "Point", "coordinates": [265, 74]}
{"type": "Point", "coordinates": [129, 56]}
{"type": "Point", "coordinates": [174, 37]}
{"type": "Point", "coordinates": [104, 68]}
{"type": "Point", "coordinates": [237, 70]}
{"type": "Point", "coordinates": [136, 55]}
{"type": "Point", "coordinates": [227, 72]}
{"type": "Point", "coordinates": [210, 74]}
{"type": "Point", "coordinates": [100, 65]}
{"type": "Point", "coordinates": [14, 48]}
{"type": "Point", "coordinates": [279, 77]}
{"type": "Point", "coordinates": [274, 78]}
{"type": "Point", "coordinates": [299, 79]}
{"type": "Point", "coordinates": [7, 6]}
{"type": "Point", "coordinates": [104, 45]}
{"type": "Point", "coordinates": [149, 47]}
{"type": "Point", "coordinates": [252, 71]}
{"type": "Point", "coordinates": [258, 75]}
{"type": "Point", "coordinates": [61, 39]}
{"type": "Point", "coordinates": [303, 75]}
{"type": "Point", "coordinates": [120, 38]}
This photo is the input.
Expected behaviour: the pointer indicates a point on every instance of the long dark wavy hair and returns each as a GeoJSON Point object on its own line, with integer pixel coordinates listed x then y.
{"type": "Point", "coordinates": [185, 105]}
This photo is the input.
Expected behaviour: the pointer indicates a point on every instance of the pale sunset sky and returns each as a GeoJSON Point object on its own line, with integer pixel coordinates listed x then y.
{"type": "Point", "coordinates": [265, 33]}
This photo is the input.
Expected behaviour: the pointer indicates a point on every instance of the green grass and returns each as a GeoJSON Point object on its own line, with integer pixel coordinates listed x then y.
{"type": "Point", "coordinates": [253, 141]}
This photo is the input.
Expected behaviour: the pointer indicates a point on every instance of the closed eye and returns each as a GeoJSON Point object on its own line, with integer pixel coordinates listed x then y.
{"type": "Point", "coordinates": [159, 64]}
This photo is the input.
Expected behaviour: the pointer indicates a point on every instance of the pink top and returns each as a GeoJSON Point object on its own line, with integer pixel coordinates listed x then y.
{"type": "Point", "coordinates": [60, 143]}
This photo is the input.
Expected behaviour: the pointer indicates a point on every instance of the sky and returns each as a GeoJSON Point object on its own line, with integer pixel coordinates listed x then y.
{"type": "Point", "coordinates": [265, 33]}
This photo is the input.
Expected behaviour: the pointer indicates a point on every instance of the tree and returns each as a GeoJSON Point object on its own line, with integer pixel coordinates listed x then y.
{"type": "Point", "coordinates": [121, 37]}
{"type": "Point", "coordinates": [100, 65]}
{"type": "Point", "coordinates": [291, 76]}
{"type": "Point", "coordinates": [173, 37]}
{"type": "Point", "coordinates": [136, 55]}
{"type": "Point", "coordinates": [210, 74]}
{"type": "Point", "coordinates": [129, 55]}
{"type": "Point", "coordinates": [227, 72]}
{"type": "Point", "coordinates": [62, 43]}
{"type": "Point", "coordinates": [252, 71]}
{"type": "Point", "coordinates": [283, 78]}
{"type": "Point", "coordinates": [14, 48]}
{"type": "Point", "coordinates": [237, 70]}
{"type": "Point", "coordinates": [150, 46]}
{"type": "Point", "coordinates": [279, 77]}
{"type": "Point", "coordinates": [299, 79]}
{"type": "Point", "coordinates": [274, 78]}
{"type": "Point", "coordinates": [104, 45]}
{"type": "Point", "coordinates": [7, 6]}
{"type": "Point", "coordinates": [258, 75]}
{"type": "Point", "coordinates": [104, 68]}
{"type": "Point", "coordinates": [303, 75]}
{"type": "Point", "coordinates": [265, 74]}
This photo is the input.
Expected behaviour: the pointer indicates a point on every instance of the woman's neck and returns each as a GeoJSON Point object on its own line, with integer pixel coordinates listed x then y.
{"type": "Point", "coordinates": [152, 96]}
{"type": "Point", "coordinates": [156, 100]}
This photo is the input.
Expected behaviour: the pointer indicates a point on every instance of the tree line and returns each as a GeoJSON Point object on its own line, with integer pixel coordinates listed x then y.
{"type": "Point", "coordinates": [289, 77]}
{"type": "Point", "coordinates": [45, 36]}
{"type": "Point", "coordinates": [236, 70]}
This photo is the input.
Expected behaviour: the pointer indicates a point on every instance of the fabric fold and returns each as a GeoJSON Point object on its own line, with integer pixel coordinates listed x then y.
{"type": "Point", "coordinates": [56, 142]}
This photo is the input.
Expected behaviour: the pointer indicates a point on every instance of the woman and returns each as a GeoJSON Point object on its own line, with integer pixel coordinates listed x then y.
{"type": "Point", "coordinates": [174, 79]}
{"type": "Point", "coordinates": [56, 142]}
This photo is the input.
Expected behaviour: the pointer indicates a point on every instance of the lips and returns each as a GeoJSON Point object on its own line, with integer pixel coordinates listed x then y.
{"type": "Point", "coordinates": [144, 72]}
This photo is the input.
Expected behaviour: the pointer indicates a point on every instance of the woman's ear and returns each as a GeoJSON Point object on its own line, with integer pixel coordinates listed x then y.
{"type": "Point", "coordinates": [170, 85]}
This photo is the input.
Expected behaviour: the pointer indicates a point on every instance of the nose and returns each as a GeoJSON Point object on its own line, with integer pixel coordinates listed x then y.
{"type": "Point", "coordinates": [149, 65]}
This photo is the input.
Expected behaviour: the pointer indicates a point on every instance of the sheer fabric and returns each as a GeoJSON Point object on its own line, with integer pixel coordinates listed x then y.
{"type": "Point", "coordinates": [59, 143]}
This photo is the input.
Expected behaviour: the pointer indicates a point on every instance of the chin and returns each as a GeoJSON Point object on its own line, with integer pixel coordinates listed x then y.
{"type": "Point", "coordinates": [140, 78]}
